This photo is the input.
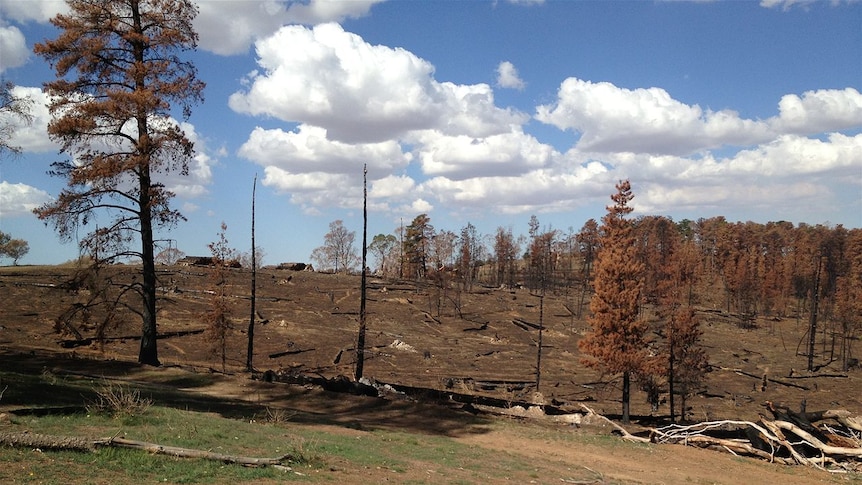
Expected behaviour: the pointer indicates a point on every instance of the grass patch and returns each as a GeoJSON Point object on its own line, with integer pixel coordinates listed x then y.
{"type": "Point", "coordinates": [321, 455]}
{"type": "Point", "coordinates": [161, 425]}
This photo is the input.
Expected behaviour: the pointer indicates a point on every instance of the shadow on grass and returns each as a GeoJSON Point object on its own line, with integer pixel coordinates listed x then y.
{"type": "Point", "coordinates": [43, 382]}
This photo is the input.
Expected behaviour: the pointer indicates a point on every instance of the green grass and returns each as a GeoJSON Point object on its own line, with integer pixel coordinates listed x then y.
{"type": "Point", "coordinates": [320, 454]}
{"type": "Point", "coordinates": [161, 425]}
{"type": "Point", "coordinates": [62, 405]}
{"type": "Point", "coordinates": [316, 451]}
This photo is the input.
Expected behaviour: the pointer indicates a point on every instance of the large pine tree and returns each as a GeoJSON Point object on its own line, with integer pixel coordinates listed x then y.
{"type": "Point", "coordinates": [617, 342]}
{"type": "Point", "coordinates": [119, 77]}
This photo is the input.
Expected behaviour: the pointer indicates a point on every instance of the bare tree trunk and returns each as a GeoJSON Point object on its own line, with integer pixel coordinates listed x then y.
{"type": "Point", "coordinates": [812, 322]}
{"type": "Point", "coordinates": [670, 372]}
{"type": "Point", "coordinates": [360, 341]}
{"type": "Point", "coordinates": [627, 387]}
{"type": "Point", "coordinates": [539, 347]}
{"type": "Point", "coordinates": [249, 360]}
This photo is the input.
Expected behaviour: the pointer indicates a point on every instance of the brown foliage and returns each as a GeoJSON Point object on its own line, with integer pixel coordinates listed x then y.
{"type": "Point", "coordinates": [617, 342]}
{"type": "Point", "coordinates": [118, 77]}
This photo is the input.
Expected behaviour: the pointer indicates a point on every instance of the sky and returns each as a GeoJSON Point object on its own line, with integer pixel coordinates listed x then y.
{"type": "Point", "coordinates": [484, 112]}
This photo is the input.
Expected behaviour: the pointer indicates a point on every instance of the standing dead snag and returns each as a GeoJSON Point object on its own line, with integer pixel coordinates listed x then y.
{"type": "Point", "coordinates": [360, 339]}
{"type": "Point", "coordinates": [113, 120]}
{"type": "Point", "coordinates": [249, 359]}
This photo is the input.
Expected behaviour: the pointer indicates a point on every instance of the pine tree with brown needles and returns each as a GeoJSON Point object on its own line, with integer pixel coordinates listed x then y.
{"type": "Point", "coordinates": [617, 343]}
{"type": "Point", "coordinates": [119, 75]}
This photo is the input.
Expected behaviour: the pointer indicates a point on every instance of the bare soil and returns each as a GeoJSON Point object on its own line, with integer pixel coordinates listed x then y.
{"type": "Point", "coordinates": [308, 322]}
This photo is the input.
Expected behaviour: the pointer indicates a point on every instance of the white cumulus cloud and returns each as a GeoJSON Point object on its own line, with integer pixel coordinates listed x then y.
{"type": "Point", "coordinates": [32, 10]}
{"type": "Point", "coordinates": [200, 175]}
{"type": "Point", "coordinates": [361, 93]}
{"type": "Point", "coordinates": [463, 156]}
{"type": "Point", "coordinates": [229, 27]}
{"type": "Point", "coordinates": [648, 120]}
{"type": "Point", "coordinates": [819, 111]}
{"type": "Point", "coordinates": [507, 76]}
{"type": "Point", "coordinates": [613, 119]}
{"type": "Point", "coordinates": [20, 199]}
{"type": "Point", "coordinates": [391, 186]}
{"type": "Point", "coordinates": [786, 5]}
{"type": "Point", "coordinates": [309, 150]}
{"type": "Point", "coordinates": [33, 136]}
{"type": "Point", "coordinates": [13, 49]}
{"type": "Point", "coordinates": [441, 145]}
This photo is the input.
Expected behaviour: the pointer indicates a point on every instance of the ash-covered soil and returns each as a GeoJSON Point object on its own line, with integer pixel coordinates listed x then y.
{"type": "Point", "coordinates": [481, 341]}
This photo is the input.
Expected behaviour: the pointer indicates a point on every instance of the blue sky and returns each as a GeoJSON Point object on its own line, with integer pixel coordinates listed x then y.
{"type": "Point", "coordinates": [488, 113]}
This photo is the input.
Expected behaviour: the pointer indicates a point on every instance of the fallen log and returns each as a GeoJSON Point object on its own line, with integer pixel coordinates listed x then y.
{"type": "Point", "coordinates": [790, 439]}
{"type": "Point", "coordinates": [815, 376]}
{"type": "Point", "coordinates": [736, 447]}
{"type": "Point", "coordinates": [288, 352]}
{"type": "Point", "coordinates": [72, 343]}
{"type": "Point", "coordinates": [158, 449]}
{"type": "Point", "coordinates": [768, 379]}
{"type": "Point", "coordinates": [842, 416]}
{"type": "Point", "coordinates": [74, 443]}
{"type": "Point", "coordinates": [523, 323]}
{"type": "Point", "coordinates": [46, 442]}
{"type": "Point", "coordinates": [625, 434]}
{"type": "Point", "coordinates": [816, 443]}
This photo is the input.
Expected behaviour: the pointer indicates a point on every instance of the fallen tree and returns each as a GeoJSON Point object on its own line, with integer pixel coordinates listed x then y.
{"type": "Point", "coordinates": [74, 443]}
{"type": "Point", "coordinates": [834, 443]}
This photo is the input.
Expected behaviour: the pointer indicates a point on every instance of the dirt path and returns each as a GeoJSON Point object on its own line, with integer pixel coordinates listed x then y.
{"type": "Point", "coordinates": [624, 463]}
{"type": "Point", "coordinates": [595, 456]}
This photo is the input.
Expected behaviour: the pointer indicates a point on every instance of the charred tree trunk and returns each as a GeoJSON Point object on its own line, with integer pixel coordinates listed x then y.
{"type": "Point", "coordinates": [627, 387]}
{"type": "Point", "coordinates": [249, 360]}
{"type": "Point", "coordinates": [812, 321]}
{"type": "Point", "coordinates": [360, 341]}
{"type": "Point", "coordinates": [539, 347]}
{"type": "Point", "coordinates": [670, 373]}
{"type": "Point", "coordinates": [148, 353]}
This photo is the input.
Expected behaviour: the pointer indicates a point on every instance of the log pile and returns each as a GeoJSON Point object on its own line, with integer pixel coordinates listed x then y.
{"type": "Point", "coordinates": [828, 440]}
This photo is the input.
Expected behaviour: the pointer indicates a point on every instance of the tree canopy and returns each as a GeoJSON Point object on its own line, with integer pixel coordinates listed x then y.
{"type": "Point", "coordinates": [119, 79]}
{"type": "Point", "coordinates": [14, 249]}
{"type": "Point", "coordinates": [338, 252]}
{"type": "Point", "coordinates": [617, 340]}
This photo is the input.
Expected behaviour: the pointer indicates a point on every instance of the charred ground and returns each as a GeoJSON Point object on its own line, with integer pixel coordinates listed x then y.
{"type": "Point", "coordinates": [480, 342]}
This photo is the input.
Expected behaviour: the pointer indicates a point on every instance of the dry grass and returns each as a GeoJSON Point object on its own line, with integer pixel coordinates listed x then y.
{"type": "Point", "coordinates": [119, 401]}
